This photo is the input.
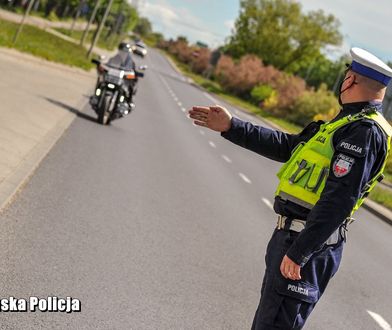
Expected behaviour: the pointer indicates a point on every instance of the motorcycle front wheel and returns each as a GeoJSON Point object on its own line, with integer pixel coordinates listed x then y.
{"type": "Point", "coordinates": [104, 110]}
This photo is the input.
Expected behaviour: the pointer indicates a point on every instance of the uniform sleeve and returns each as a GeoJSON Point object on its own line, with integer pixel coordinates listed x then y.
{"type": "Point", "coordinates": [269, 143]}
{"type": "Point", "coordinates": [358, 155]}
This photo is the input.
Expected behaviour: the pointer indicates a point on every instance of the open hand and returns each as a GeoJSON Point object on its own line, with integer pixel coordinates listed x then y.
{"type": "Point", "coordinates": [290, 269]}
{"type": "Point", "coordinates": [215, 117]}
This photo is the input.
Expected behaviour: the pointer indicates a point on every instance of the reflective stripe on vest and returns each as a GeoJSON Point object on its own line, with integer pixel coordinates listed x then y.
{"type": "Point", "coordinates": [303, 176]}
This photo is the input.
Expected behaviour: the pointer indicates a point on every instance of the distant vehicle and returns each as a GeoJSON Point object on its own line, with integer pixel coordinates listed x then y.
{"type": "Point", "coordinates": [139, 48]}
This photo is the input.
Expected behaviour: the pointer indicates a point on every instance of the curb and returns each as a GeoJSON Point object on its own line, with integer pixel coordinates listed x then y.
{"type": "Point", "coordinates": [378, 210]}
{"type": "Point", "coordinates": [11, 185]}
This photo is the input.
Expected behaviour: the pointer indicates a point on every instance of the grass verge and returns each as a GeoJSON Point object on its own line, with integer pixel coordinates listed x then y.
{"type": "Point", "coordinates": [43, 44]}
{"type": "Point", "coordinates": [103, 42]}
{"type": "Point", "coordinates": [379, 195]}
{"type": "Point", "coordinates": [382, 196]}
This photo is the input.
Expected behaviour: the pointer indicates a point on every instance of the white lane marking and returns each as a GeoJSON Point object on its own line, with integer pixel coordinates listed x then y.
{"type": "Point", "coordinates": [244, 177]}
{"type": "Point", "coordinates": [227, 159]}
{"type": "Point", "coordinates": [267, 202]}
{"type": "Point", "coordinates": [175, 98]}
{"type": "Point", "coordinates": [210, 97]}
{"type": "Point", "coordinates": [165, 82]}
{"type": "Point", "coordinates": [202, 132]}
{"type": "Point", "coordinates": [179, 104]}
{"type": "Point", "coordinates": [183, 109]}
{"type": "Point", "coordinates": [212, 144]}
{"type": "Point", "coordinates": [380, 321]}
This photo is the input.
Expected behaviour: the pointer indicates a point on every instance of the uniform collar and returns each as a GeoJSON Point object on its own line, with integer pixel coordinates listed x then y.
{"type": "Point", "coordinates": [353, 108]}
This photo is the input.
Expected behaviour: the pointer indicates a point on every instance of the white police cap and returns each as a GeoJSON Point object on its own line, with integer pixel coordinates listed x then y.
{"type": "Point", "coordinates": [368, 65]}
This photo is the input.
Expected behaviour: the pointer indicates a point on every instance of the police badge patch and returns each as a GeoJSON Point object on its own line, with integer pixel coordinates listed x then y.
{"type": "Point", "coordinates": [342, 165]}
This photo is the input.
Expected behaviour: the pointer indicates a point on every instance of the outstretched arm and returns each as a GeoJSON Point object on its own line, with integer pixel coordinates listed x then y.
{"type": "Point", "coordinates": [270, 143]}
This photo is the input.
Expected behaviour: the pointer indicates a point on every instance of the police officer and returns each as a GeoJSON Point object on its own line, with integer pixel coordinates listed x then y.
{"type": "Point", "coordinates": [329, 168]}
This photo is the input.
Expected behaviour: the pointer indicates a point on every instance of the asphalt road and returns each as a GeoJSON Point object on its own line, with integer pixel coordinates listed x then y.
{"type": "Point", "coordinates": [154, 223]}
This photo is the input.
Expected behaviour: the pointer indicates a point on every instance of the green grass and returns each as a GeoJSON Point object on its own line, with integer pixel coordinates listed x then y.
{"type": "Point", "coordinates": [110, 43]}
{"type": "Point", "coordinates": [43, 44]}
{"type": "Point", "coordinates": [382, 196]}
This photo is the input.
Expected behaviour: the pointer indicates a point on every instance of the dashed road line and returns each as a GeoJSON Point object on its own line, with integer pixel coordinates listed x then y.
{"type": "Point", "coordinates": [227, 159]}
{"type": "Point", "coordinates": [179, 104]}
{"type": "Point", "coordinates": [202, 132]}
{"type": "Point", "coordinates": [212, 144]}
{"type": "Point", "coordinates": [267, 202]}
{"type": "Point", "coordinates": [165, 82]}
{"type": "Point", "coordinates": [175, 98]}
{"type": "Point", "coordinates": [183, 109]}
{"type": "Point", "coordinates": [244, 177]}
{"type": "Point", "coordinates": [380, 321]}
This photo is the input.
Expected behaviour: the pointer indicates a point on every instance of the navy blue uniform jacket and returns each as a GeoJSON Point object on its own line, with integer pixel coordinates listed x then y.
{"type": "Point", "coordinates": [341, 192]}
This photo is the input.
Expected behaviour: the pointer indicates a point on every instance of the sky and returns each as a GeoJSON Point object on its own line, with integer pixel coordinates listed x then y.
{"type": "Point", "coordinates": [365, 23]}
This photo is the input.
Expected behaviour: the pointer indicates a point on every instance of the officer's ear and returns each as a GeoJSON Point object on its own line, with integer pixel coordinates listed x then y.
{"type": "Point", "coordinates": [353, 79]}
{"type": "Point", "coordinates": [350, 80]}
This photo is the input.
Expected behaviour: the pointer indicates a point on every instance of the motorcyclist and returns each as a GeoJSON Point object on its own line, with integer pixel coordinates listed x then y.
{"type": "Point", "coordinates": [123, 60]}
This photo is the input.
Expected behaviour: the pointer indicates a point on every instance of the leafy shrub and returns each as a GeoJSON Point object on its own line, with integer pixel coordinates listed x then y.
{"type": "Point", "coordinates": [200, 63]}
{"type": "Point", "coordinates": [314, 105]}
{"type": "Point", "coordinates": [290, 88]}
{"type": "Point", "coordinates": [239, 78]}
{"type": "Point", "coordinates": [261, 92]}
{"type": "Point", "coordinates": [224, 70]}
{"type": "Point", "coordinates": [181, 50]}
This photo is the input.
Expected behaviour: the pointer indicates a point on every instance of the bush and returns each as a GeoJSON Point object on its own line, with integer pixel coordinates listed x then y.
{"type": "Point", "coordinates": [52, 16]}
{"type": "Point", "coordinates": [239, 78]}
{"type": "Point", "coordinates": [261, 92]}
{"type": "Point", "coordinates": [314, 105]}
{"type": "Point", "coordinates": [289, 88]}
{"type": "Point", "coordinates": [200, 63]}
{"type": "Point", "coordinates": [224, 70]}
{"type": "Point", "coordinates": [181, 50]}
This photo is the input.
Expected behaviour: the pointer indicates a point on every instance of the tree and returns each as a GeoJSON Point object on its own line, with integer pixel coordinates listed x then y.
{"type": "Point", "coordinates": [280, 34]}
{"type": "Point", "coordinates": [143, 27]}
{"type": "Point", "coordinates": [324, 71]}
{"type": "Point", "coordinates": [183, 39]}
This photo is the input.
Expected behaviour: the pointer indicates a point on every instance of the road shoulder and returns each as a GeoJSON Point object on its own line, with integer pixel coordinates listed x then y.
{"type": "Point", "coordinates": [39, 100]}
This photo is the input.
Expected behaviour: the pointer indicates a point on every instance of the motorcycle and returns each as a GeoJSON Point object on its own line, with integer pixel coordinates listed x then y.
{"type": "Point", "coordinates": [114, 91]}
